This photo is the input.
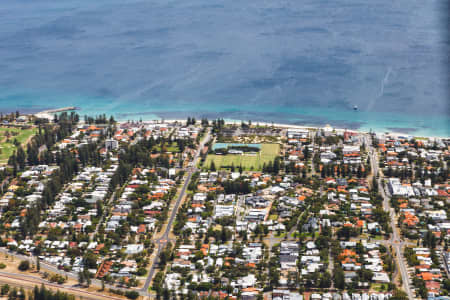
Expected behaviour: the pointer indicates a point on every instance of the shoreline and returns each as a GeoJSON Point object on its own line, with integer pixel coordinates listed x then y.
{"type": "Point", "coordinates": [305, 127]}
{"type": "Point", "coordinates": [48, 114]}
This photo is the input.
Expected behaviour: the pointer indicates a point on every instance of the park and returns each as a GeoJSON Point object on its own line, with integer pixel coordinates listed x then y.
{"type": "Point", "coordinates": [247, 160]}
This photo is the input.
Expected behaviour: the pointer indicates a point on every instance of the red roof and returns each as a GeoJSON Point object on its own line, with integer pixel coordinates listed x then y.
{"type": "Point", "coordinates": [442, 193]}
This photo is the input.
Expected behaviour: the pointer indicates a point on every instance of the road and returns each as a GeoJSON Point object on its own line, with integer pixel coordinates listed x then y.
{"type": "Point", "coordinates": [29, 282]}
{"type": "Point", "coordinates": [52, 268]}
{"type": "Point", "coordinates": [164, 239]}
{"type": "Point", "coordinates": [105, 214]}
{"type": "Point", "coordinates": [161, 242]}
{"type": "Point", "coordinates": [313, 168]}
{"type": "Point", "coordinates": [44, 265]}
{"type": "Point", "coordinates": [396, 241]}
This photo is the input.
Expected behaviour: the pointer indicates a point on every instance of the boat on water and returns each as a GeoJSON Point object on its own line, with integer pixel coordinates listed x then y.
{"type": "Point", "coordinates": [355, 107]}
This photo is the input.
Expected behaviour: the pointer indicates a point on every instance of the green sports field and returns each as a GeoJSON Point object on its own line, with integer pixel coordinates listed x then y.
{"type": "Point", "coordinates": [249, 162]}
{"type": "Point", "coordinates": [7, 143]}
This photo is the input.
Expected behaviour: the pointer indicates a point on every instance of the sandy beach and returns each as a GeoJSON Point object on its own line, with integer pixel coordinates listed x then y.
{"type": "Point", "coordinates": [48, 114]}
{"type": "Point", "coordinates": [306, 127]}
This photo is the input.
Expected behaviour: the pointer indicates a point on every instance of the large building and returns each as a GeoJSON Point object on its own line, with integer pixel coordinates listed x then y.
{"type": "Point", "coordinates": [111, 144]}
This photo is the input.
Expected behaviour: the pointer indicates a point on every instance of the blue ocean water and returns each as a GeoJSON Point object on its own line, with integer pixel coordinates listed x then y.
{"type": "Point", "coordinates": [289, 61]}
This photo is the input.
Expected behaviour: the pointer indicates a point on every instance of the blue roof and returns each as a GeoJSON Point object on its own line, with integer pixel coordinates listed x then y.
{"type": "Point", "coordinates": [231, 145]}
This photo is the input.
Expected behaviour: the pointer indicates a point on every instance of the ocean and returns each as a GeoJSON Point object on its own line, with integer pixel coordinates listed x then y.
{"type": "Point", "coordinates": [305, 62]}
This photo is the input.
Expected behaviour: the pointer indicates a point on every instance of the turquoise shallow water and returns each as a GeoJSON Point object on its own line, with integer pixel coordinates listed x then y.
{"type": "Point", "coordinates": [419, 124]}
{"type": "Point", "coordinates": [300, 62]}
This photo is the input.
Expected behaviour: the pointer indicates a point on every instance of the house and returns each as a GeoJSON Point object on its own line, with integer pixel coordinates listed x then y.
{"type": "Point", "coordinates": [288, 261]}
{"type": "Point", "coordinates": [111, 144]}
{"type": "Point", "coordinates": [245, 282]}
{"type": "Point", "coordinates": [134, 248]}
{"type": "Point", "coordinates": [311, 225]}
{"type": "Point", "coordinates": [223, 211]}
{"type": "Point", "coordinates": [380, 277]}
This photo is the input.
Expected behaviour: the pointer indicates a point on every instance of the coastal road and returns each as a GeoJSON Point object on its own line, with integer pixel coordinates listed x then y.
{"type": "Point", "coordinates": [164, 239]}
{"type": "Point", "coordinates": [396, 241]}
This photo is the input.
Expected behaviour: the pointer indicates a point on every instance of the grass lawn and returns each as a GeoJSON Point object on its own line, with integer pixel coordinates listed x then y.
{"type": "Point", "coordinates": [173, 147]}
{"type": "Point", "coordinates": [273, 217]}
{"type": "Point", "coordinates": [379, 287]}
{"type": "Point", "coordinates": [282, 235]}
{"type": "Point", "coordinates": [217, 227]}
{"type": "Point", "coordinates": [248, 162]}
{"type": "Point", "coordinates": [7, 146]}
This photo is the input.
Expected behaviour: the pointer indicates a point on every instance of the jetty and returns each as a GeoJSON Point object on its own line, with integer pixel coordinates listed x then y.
{"type": "Point", "coordinates": [57, 110]}
{"type": "Point", "coordinates": [48, 114]}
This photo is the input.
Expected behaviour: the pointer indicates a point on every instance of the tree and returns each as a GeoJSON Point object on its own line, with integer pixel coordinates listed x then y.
{"type": "Point", "coordinates": [4, 290]}
{"type": "Point", "coordinates": [325, 280]}
{"type": "Point", "coordinates": [99, 205]}
{"type": "Point", "coordinates": [20, 158]}
{"type": "Point", "coordinates": [38, 264]}
{"type": "Point", "coordinates": [399, 295]}
{"type": "Point", "coordinates": [13, 294]}
{"type": "Point", "coordinates": [338, 278]}
{"type": "Point", "coordinates": [429, 240]}
{"type": "Point", "coordinates": [90, 260]}
{"type": "Point", "coordinates": [43, 293]}
{"type": "Point", "coordinates": [22, 294]}
{"type": "Point", "coordinates": [87, 276]}
{"type": "Point", "coordinates": [80, 278]}
{"type": "Point", "coordinates": [212, 166]}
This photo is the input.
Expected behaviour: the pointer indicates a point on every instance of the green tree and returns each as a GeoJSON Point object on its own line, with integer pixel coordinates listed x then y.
{"type": "Point", "coordinates": [4, 290]}
{"type": "Point", "coordinates": [338, 278]}
{"type": "Point", "coordinates": [325, 280]}
{"type": "Point", "coordinates": [81, 278]}
{"type": "Point", "coordinates": [20, 158]}
{"type": "Point", "coordinates": [38, 264]}
{"type": "Point", "coordinates": [399, 295]}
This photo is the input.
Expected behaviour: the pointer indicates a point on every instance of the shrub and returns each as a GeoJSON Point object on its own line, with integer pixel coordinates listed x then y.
{"type": "Point", "coordinates": [57, 278]}
{"type": "Point", "coordinates": [24, 265]}
{"type": "Point", "coordinates": [2, 266]}
{"type": "Point", "coordinates": [117, 292]}
{"type": "Point", "coordinates": [131, 294]}
{"type": "Point", "coordinates": [141, 272]}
